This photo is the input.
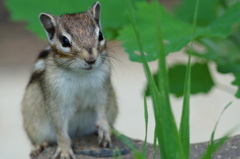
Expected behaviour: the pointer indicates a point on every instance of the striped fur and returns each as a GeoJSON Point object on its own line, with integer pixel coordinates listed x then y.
{"type": "Point", "coordinates": [70, 93]}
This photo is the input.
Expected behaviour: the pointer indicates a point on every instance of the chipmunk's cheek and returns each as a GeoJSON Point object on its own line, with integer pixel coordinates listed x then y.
{"type": "Point", "coordinates": [80, 57]}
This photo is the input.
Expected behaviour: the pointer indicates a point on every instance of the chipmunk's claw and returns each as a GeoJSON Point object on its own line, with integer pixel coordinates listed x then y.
{"type": "Point", "coordinates": [64, 154]}
{"type": "Point", "coordinates": [39, 148]}
{"type": "Point", "coordinates": [104, 137]}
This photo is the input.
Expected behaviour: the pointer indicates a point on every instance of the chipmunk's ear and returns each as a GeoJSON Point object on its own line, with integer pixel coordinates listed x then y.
{"type": "Point", "coordinates": [49, 24]}
{"type": "Point", "coordinates": [94, 11]}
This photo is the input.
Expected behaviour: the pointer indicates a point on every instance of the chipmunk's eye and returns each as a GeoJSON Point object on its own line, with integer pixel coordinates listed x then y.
{"type": "Point", "coordinates": [64, 40]}
{"type": "Point", "coordinates": [100, 36]}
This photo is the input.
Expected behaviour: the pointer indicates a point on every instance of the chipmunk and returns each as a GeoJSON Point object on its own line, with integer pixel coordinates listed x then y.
{"type": "Point", "coordinates": [70, 93]}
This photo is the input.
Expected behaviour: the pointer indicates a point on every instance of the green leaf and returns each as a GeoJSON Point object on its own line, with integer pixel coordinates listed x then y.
{"type": "Point", "coordinates": [166, 129]}
{"type": "Point", "coordinates": [237, 83]}
{"type": "Point", "coordinates": [117, 154]}
{"type": "Point", "coordinates": [213, 146]}
{"type": "Point", "coordinates": [113, 13]}
{"type": "Point", "coordinates": [206, 14]}
{"type": "Point", "coordinates": [155, 144]}
{"type": "Point", "coordinates": [171, 29]}
{"type": "Point", "coordinates": [128, 143]}
{"type": "Point", "coordinates": [144, 149]}
{"type": "Point", "coordinates": [225, 53]}
{"type": "Point", "coordinates": [222, 26]}
{"type": "Point", "coordinates": [184, 129]}
{"type": "Point", "coordinates": [176, 33]}
{"type": "Point", "coordinates": [201, 81]}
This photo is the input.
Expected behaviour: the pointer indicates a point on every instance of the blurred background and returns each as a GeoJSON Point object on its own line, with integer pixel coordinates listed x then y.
{"type": "Point", "coordinates": [19, 48]}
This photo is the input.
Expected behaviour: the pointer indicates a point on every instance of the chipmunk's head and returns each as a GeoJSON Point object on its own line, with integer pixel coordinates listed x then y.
{"type": "Point", "coordinates": [76, 39]}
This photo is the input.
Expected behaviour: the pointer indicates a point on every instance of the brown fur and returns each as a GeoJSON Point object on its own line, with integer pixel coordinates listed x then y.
{"type": "Point", "coordinates": [80, 26]}
{"type": "Point", "coordinates": [70, 92]}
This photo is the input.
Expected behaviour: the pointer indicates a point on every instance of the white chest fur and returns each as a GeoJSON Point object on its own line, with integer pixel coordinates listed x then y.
{"type": "Point", "coordinates": [77, 97]}
{"type": "Point", "coordinates": [80, 90]}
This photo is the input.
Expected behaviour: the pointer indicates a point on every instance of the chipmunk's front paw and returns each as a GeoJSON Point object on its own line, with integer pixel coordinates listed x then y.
{"type": "Point", "coordinates": [104, 136]}
{"type": "Point", "coordinates": [64, 153]}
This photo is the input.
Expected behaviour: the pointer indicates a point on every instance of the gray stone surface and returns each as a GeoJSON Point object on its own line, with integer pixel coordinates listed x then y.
{"type": "Point", "coordinates": [87, 148]}
{"type": "Point", "coordinates": [229, 150]}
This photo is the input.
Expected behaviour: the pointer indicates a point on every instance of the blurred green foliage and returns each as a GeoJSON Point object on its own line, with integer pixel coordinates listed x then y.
{"type": "Point", "coordinates": [185, 11]}
{"type": "Point", "coordinates": [223, 49]}
{"type": "Point", "coordinates": [176, 77]}
{"type": "Point", "coordinates": [176, 32]}
{"type": "Point", "coordinates": [113, 13]}
{"type": "Point", "coordinates": [217, 30]}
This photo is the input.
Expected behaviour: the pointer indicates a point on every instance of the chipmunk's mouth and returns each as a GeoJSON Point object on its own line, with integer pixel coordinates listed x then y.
{"type": "Point", "coordinates": [88, 68]}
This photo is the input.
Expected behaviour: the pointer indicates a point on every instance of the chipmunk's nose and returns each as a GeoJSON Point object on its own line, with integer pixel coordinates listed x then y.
{"type": "Point", "coordinates": [90, 61]}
